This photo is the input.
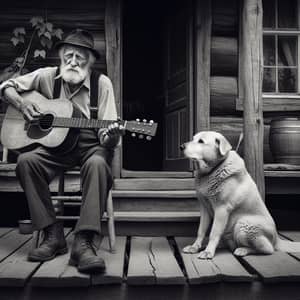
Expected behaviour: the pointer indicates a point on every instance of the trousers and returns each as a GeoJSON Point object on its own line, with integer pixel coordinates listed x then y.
{"type": "Point", "coordinates": [37, 168]}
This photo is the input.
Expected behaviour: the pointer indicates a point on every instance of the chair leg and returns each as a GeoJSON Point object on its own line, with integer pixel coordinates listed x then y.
{"type": "Point", "coordinates": [111, 223]}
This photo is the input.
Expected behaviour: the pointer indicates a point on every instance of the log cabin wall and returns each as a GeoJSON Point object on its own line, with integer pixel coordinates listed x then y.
{"type": "Point", "coordinates": [224, 70]}
{"type": "Point", "coordinates": [226, 108]}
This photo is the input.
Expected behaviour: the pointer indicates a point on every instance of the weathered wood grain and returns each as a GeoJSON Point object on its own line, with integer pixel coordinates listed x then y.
{"type": "Point", "coordinates": [152, 262]}
{"type": "Point", "coordinates": [225, 18]}
{"type": "Point", "coordinates": [203, 20]}
{"type": "Point", "coordinates": [16, 270]}
{"type": "Point", "coordinates": [11, 242]}
{"type": "Point", "coordinates": [223, 267]}
{"type": "Point", "coordinates": [278, 267]}
{"type": "Point", "coordinates": [114, 262]}
{"type": "Point", "coordinates": [293, 236]}
{"type": "Point", "coordinates": [224, 56]}
{"type": "Point", "coordinates": [155, 174]}
{"type": "Point", "coordinates": [113, 60]}
{"type": "Point", "coordinates": [250, 85]}
{"type": "Point", "coordinates": [5, 230]}
{"type": "Point", "coordinates": [154, 184]}
{"type": "Point", "coordinates": [223, 91]}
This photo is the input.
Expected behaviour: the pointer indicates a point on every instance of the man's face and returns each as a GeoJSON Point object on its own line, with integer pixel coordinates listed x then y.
{"type": "Point", "coordinates": [75, 64]}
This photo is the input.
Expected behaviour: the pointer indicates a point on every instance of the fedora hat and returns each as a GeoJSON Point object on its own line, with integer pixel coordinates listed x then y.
{"type": "Point", "coordinates": [79, 38]}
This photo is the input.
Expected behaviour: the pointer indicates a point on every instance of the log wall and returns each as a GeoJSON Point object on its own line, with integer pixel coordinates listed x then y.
{"type": "Point", "coordinates": [224, 78]}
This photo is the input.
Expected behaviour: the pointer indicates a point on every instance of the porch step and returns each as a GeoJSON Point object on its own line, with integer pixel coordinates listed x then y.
{"type": "Point", "coordinates": [140, 194]}
{"type": "Point", "coordinates": [151, 216]}
{"type": "Point", "coordinates": [144, 200]}
{"type": "Point", "coordinates": [154, 184]}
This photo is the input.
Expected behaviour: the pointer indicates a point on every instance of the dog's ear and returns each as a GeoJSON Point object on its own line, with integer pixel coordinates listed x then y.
{"type": "Point", "coordinates": [223, 145]}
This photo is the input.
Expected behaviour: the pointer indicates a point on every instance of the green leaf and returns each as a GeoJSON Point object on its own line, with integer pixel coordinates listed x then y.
{"type": "Point", "coordinates": [39, 53]}
{"type": "Point", "coordinates": [36, 20]}
{"type": "Point", "coordinates": [15, 41]}
{"type": "Point", "coordinates": [19, 31]}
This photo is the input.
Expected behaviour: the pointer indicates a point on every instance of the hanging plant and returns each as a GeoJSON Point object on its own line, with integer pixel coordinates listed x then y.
{"type": "Point", "coordinates": [42, 31]}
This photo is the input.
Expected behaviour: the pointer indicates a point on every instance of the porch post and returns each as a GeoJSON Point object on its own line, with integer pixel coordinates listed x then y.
{"type": "Point", "coordinates": [113, 61]}
{"type": "Point", "coordinates": [203, 21]}
{"type": "Point", "coordinates": [251, 84]}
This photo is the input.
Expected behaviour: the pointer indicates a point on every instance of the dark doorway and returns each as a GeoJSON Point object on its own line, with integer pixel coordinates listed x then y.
{"type": "Point", "coordinates": [143, 80]}
{"type": "Point", "coordinates": [156, 76]}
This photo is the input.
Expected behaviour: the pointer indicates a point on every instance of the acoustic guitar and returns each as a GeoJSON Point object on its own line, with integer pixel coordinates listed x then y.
{"type": "Point", "coordinates": [58, 125]}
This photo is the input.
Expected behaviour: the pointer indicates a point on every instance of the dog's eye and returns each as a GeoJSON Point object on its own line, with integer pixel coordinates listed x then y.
{"type": "Point", "coordinates": [201, 141]}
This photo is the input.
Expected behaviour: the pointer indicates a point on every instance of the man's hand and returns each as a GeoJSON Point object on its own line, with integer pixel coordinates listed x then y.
{"type": "Point", "coordinates": [114, 130]}
{"type": "Point", "coordinates": [111, 136]}
{"type": "Point", "coordinates": [30, 110]}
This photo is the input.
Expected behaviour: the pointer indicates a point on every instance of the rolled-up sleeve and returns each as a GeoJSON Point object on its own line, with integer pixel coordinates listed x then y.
{"type": "Point", "coordinates": [107, 105]}
{"type": "Point", "coordinates": [107, 109]}
{"type": "Point", "coordinates": [40, 80]}
{"type": "Point", "coordinates": [27, 82]}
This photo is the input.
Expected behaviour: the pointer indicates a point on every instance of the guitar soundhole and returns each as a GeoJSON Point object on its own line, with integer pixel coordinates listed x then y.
{"type": "Point", "coordinates": [46, 122]}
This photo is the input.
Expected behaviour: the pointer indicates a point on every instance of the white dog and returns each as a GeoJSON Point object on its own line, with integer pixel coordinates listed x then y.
{"type": "Point", "coordinates": [230, 200]}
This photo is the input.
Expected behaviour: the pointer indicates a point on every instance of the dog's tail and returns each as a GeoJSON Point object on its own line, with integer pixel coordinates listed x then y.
{"type": "Point", "coordinates": [287, 246]}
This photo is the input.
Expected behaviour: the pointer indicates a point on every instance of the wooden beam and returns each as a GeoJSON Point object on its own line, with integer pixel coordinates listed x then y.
{"type": "Point", "coordinates": [203, 20]}
{"type": "Point", "coordinates": [251, 58]}
{"type": "Point", "coordinates": [113, 61]}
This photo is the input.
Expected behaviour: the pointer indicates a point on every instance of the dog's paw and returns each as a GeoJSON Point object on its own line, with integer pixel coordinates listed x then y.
{"type": "Point", "coordinates": [205, 255]}
{"type": "Point", "coordinates": [191, 249]}
{"type": "Point", "coordinates": [241, 251]}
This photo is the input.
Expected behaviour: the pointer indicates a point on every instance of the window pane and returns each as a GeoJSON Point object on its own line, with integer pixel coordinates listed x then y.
{"type": "Point", "coordinates": [269, 50]}
{"type": "Point", "coordinates": [287, 14]}
{"type": "Point", "coordinates": [269, 13]}
{"type": "Point", "coordinates": [287, 51]}
{"type": "Point", "coordinates": [287, 79]}
{"type": "Point", "coordinates": [269, 80]}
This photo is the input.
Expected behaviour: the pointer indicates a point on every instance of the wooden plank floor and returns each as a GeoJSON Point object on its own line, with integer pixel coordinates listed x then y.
{"type": "Point", "coordinates": [143, 261]}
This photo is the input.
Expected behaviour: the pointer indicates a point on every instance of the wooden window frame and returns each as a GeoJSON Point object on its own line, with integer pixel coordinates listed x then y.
{"type": "Point", "coordinates": [280, 101]}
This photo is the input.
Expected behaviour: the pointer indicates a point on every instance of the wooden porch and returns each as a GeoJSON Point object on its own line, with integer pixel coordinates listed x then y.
{"type": "Point", "coordinates": [148, 267]}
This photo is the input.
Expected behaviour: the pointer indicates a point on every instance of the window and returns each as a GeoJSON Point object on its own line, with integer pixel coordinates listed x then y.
{"type": "Point", "coordinates": [281, 38]}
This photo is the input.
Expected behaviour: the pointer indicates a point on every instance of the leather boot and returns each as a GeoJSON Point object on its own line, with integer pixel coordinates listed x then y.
{"type": "Point", "coordinates": [53, 243]}
{"type": "Point", "coordinates": [84, 255]}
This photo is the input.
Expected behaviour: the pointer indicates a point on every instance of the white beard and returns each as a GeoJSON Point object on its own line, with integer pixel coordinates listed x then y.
{"type": "Point", "coordinates": [73, 75]}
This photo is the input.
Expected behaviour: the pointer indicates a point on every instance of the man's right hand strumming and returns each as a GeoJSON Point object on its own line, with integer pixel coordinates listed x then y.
{"type": "Point", "coordinates": [29, 109]}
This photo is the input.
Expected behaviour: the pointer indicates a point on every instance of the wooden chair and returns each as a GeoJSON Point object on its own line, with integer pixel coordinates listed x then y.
{"type": "Point", "coordinates": [61, 200]}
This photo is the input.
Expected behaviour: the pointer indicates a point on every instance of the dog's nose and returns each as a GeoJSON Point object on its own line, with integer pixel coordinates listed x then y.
{"type": "Point", "coordinates": [182, 146]}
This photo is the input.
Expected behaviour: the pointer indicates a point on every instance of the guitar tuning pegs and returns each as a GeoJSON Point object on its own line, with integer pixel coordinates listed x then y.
{"type": "Point", "coordinates": [149, 138]}
{"type": "Point", "coordinates": [138, 120]}
{"type": "Point", "coordinates": [133, 134]}
{"type": "Point", "coordinates": [144, 120]}
{"type": "Point", "coordinates": [141, 136]}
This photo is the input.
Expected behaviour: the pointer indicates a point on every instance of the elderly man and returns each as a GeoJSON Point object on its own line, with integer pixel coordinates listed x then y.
{"type": "Point", "coordinates": [93, 150]}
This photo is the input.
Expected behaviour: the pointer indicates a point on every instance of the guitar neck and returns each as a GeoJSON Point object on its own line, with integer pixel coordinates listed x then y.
{"type": "Point", "coordinates": [83, 123]}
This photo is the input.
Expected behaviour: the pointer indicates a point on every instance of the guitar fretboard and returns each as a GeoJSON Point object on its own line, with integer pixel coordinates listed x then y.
{"type": "Point", "coordinates": [83, 123]}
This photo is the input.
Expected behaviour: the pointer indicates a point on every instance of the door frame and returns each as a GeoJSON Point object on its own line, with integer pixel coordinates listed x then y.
{"type": "Point", "coordinates": [190, 71]}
